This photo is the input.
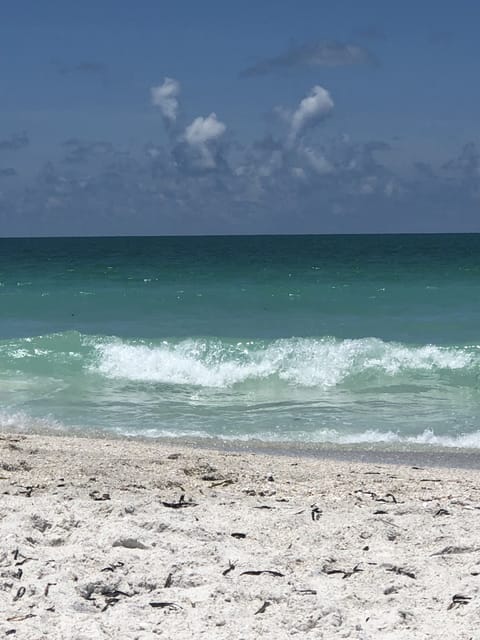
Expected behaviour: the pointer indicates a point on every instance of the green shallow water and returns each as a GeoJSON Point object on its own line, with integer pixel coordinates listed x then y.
{"type": "Point", "coordinates": [306, 339]}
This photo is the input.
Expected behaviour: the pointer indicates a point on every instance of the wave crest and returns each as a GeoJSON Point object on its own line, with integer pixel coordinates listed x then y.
{"type": "Point", "coordinates": [304, 362]}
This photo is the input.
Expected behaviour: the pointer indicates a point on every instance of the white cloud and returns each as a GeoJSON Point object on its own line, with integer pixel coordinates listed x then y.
{"type": "Point", "coordinates": [311, 110]}
{"type": "Point", "coordinates": [165, 96]}
{"type": "Point", "coordinates": [318, 162]}
{"type": "Point", "coordinates": [203, 132]}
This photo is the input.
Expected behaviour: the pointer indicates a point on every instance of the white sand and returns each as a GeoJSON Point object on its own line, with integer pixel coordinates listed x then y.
{"type": "Point", "coordinates": [382, 556]}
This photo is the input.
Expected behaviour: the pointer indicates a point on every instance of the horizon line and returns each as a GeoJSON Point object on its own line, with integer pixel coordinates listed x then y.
{"type": "Point", "coordinates": [239, 235]}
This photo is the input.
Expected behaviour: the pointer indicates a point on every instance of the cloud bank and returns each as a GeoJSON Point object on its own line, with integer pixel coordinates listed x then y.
{"type": "Point", "coordinates": [200, 180]}
{"type": "Point", "coordinates": [15, 142]}
{"type": "Point", "coordinates": [319, 54]}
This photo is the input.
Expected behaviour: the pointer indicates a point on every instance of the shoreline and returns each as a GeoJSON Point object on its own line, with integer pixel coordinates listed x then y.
{"type": "Point", "coordinates": [381, 453]}
{"type": "Point", "coordinates": [427, 455]}
{"type": "Point", "coordinates": [118, 538]}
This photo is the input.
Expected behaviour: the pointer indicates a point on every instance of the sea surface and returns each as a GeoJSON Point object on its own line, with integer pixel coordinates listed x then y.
{"type": "Point", "coordinates": [290, 339]}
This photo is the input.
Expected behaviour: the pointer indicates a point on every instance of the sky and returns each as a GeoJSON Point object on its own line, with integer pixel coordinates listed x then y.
{"type": "Point", "coordinates": [275, 116]}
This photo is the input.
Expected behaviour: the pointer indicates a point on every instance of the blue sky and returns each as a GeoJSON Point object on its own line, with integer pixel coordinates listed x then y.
{"type": "Point", "coordinates": [253, 117]}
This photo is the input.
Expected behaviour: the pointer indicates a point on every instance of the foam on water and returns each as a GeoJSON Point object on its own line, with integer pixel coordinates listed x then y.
{"type": "Point", "coordinates": [188, 363]}
{"type": "Point", "coordinates": [310, 390]}
{"type": "Point", "coordinates": [305, 362]}
{"type": "Point", "coordinates": [368, 437]}
{"type": "Point", "coordinates": [21, 422]}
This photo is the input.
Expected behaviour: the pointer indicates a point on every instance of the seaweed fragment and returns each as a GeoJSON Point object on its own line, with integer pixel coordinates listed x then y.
{"type": "Point", "coordinates": [328, 570]}
{"type": "Point", "coordinates": [181, 504]}
{"type": "Point", "coordinates": [113, 566]}
{"type": "Point", "coordinates": [252, 572]}
{"type": "Point", "coordinates": [401, 571]}
{"type": "Point", "coordinates": [165, 605]}
{"type": "Point", "coordinates": [21, 618]}
{"type": "Point", "coordinates": [263, 608]}
{"type": "Point", "coordinates": [20, 593]}
{"type": "Point", "coordinates": [99, 497]}
{"type": "Point", "coordinates": [386, 498]}
{"type": "Point", "coordinates": [457, 600]}
{"type": "Point", "coordinates": [109, 602]}
{"type": "Point", "coordinates": [316, 512]}
{"type": "Point", "coordinates": [222, 483]}
{"type": "Point", "coordinates": [230, 567]}
{"type": "Point", "coordinates": [20, 562]}
{"type": "Point", "coordinates": [451, 549]}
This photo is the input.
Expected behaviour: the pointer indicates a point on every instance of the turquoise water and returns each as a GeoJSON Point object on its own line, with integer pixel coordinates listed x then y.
{"type": "Point", "coordinates": [286, 338]}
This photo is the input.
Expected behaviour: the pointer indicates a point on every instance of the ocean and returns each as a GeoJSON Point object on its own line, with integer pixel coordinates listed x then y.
{"type": "Point", "coordinates": [366, 339]}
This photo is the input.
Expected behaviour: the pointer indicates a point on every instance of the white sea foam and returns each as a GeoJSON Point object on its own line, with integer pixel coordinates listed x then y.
{"type": "Point", "coordinates": [331, 436]}
{"type": "Point", "coordinates": [20, 422]}
{"type": "Point", "coordinates": [185, 363]}
{"type": "Point", "coordinates": [322, 436]}
{"type": "Point", "coordinates": [302, 390]}
{"type": "Point", "coordinates": [305, 362]}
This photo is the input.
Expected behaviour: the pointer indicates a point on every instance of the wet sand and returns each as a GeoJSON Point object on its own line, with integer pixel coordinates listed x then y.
{"type": "Point", "coordinates": [126, 539]}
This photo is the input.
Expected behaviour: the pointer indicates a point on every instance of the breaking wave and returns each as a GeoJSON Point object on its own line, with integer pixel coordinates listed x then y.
{"type": "Point", "coordinates": [304, 390]}
{"type": "Point", "coordinates": [304, 362]}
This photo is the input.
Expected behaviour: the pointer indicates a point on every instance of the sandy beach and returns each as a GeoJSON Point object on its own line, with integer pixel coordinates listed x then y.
{"type": "Point", "coordinates": [136, 540]}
